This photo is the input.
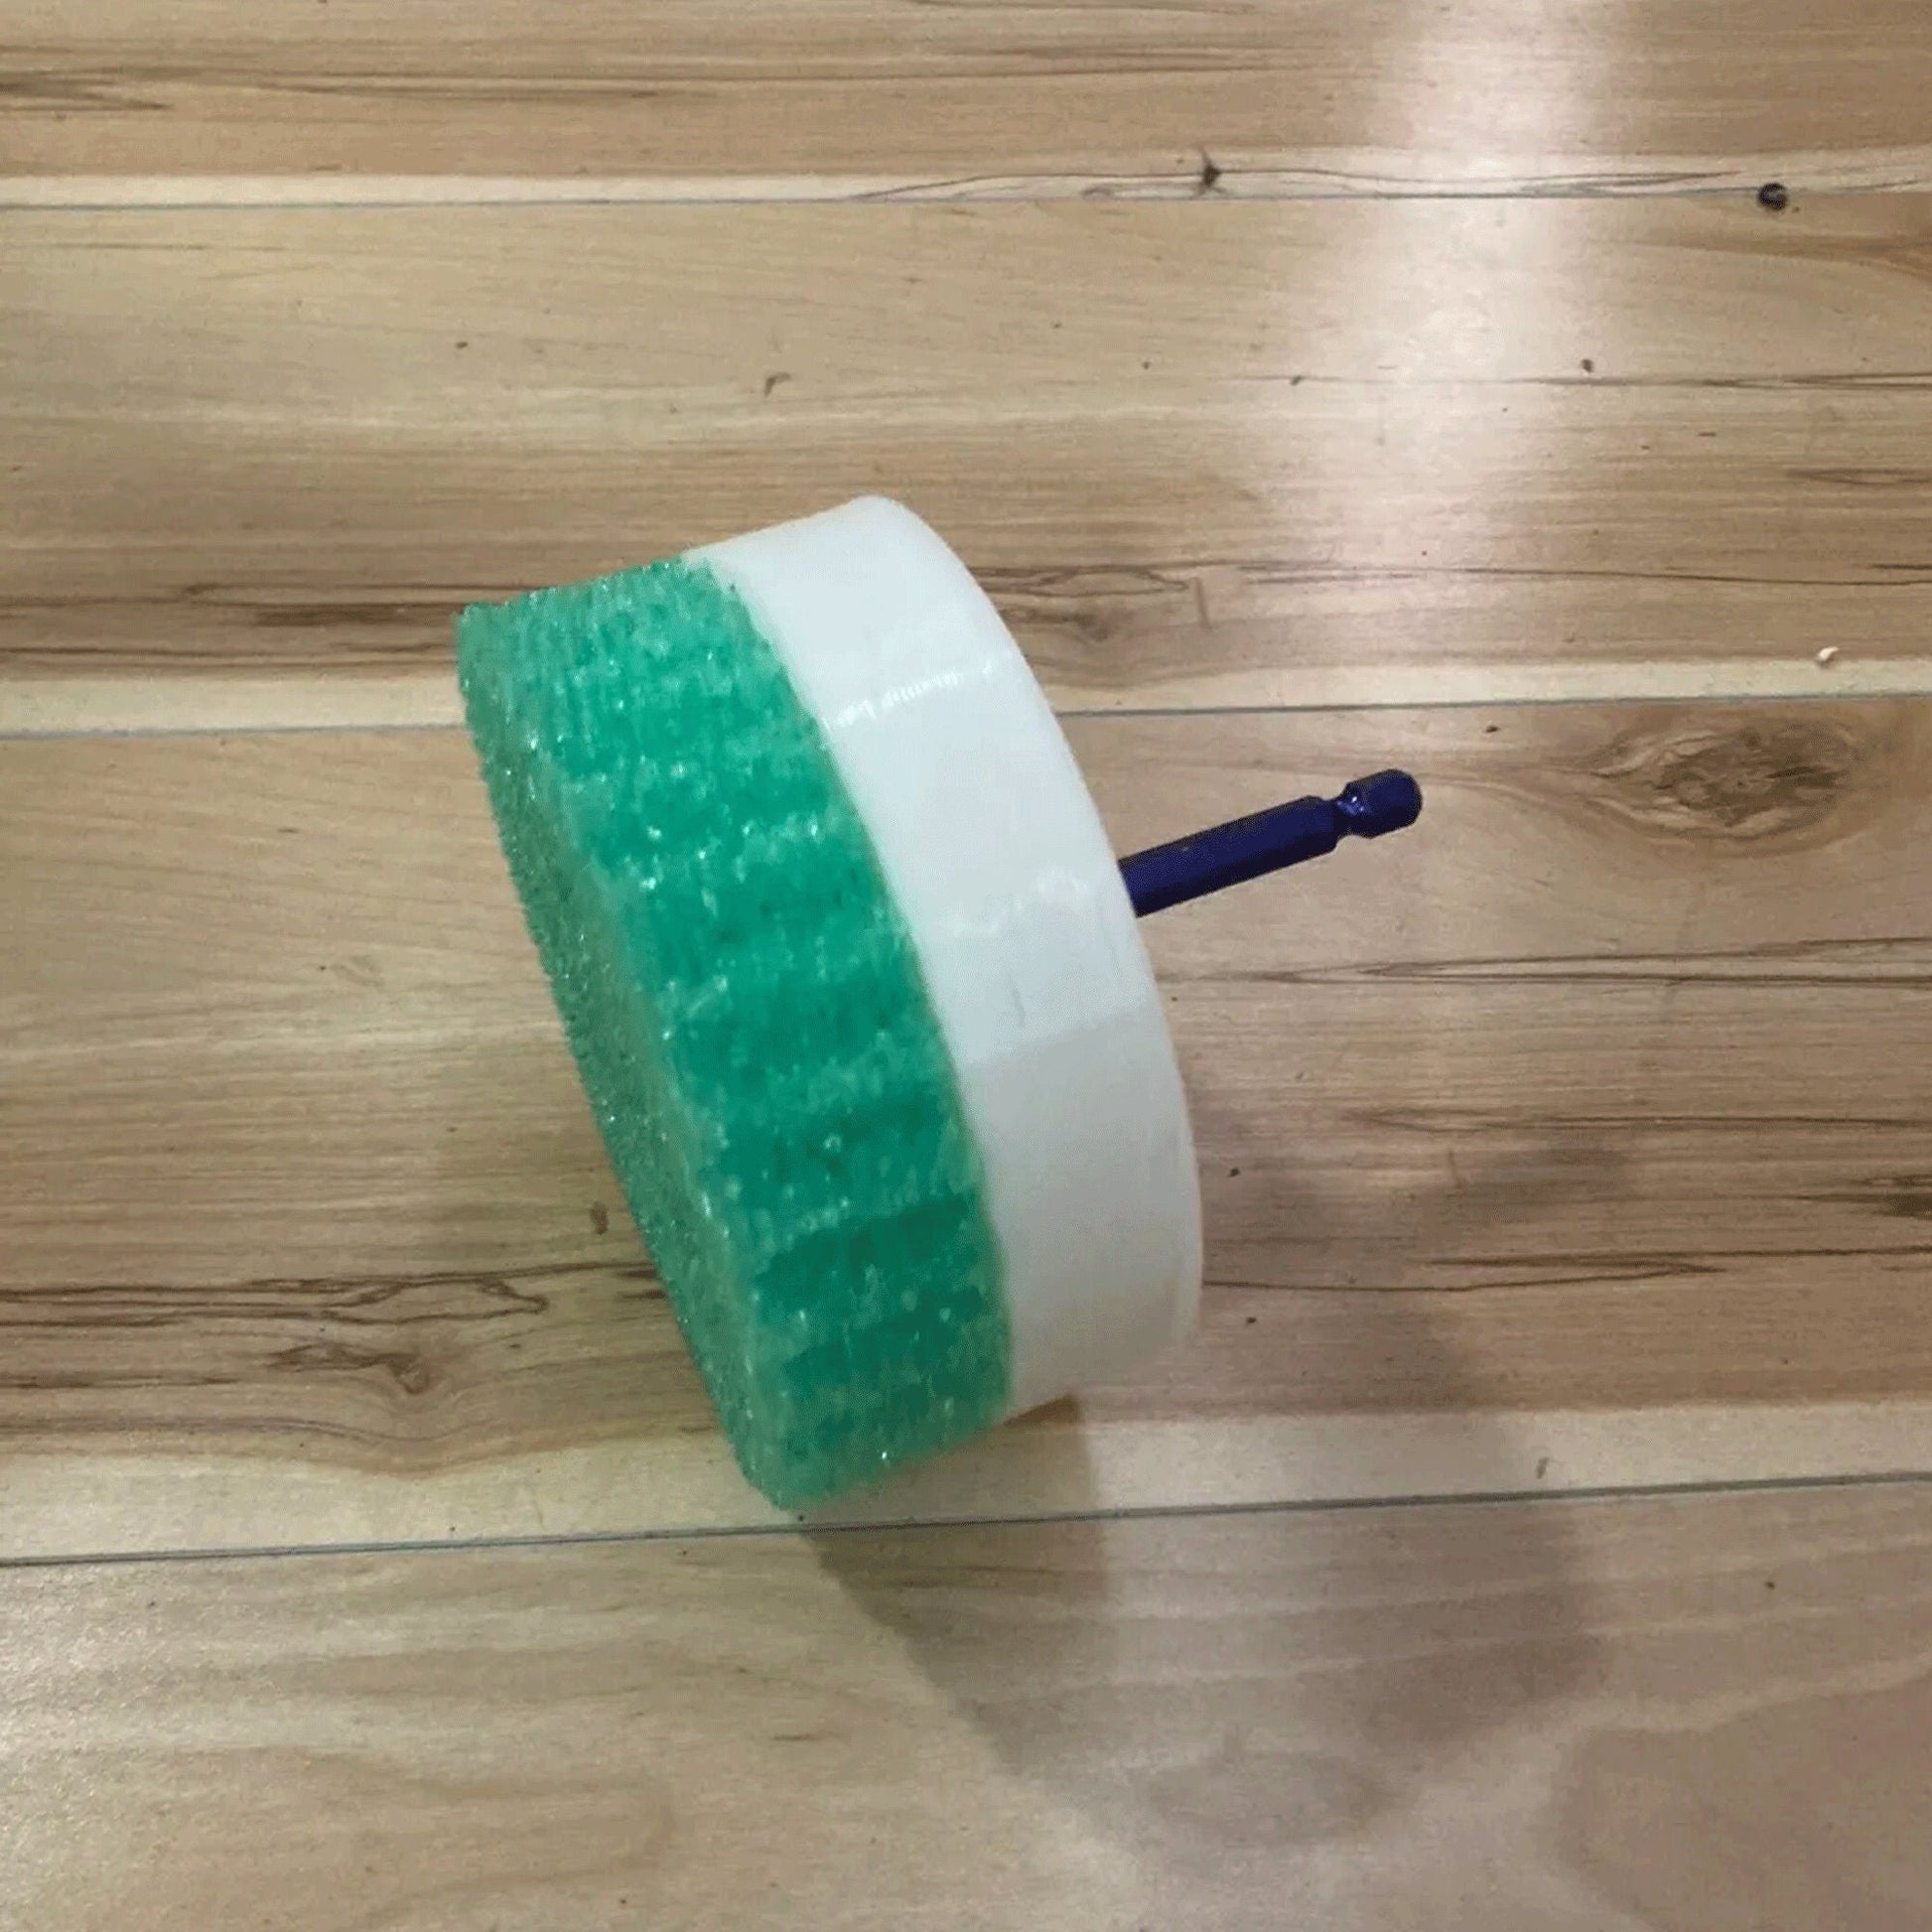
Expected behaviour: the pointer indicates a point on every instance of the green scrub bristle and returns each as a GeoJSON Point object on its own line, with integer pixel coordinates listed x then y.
{"type": "Point", "coordinates": [746, 1009]}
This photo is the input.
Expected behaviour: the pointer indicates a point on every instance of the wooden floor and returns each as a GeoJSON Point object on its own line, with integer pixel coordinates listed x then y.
{"type": "Point", "coordinates": [1538, 1530]}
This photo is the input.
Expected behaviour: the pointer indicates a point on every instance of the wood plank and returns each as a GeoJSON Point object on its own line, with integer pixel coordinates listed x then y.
{"type": "Point", "coordinates": [1545, 1145]}
{"type": "Point", "coordinates": [1710, 1712]}
{"type": "Point", "coordinates": [871, 95]}
{"type": "Point", "coordinates": [1243, 456]}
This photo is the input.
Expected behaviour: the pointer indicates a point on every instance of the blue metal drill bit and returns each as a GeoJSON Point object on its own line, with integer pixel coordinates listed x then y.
{"type": "Point", "coordinates": [1267, 841]}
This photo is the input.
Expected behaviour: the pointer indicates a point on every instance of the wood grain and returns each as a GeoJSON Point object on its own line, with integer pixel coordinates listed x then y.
{"type": "Point", "coordinates": [1599, 1096]}
{"type": "Point", "coordinates": [1257, 354]}
{"type": "Point", "coordinates": [1350, 453]}
{"type": "Point", "coordinates": [869, 96]}
{"type": "Point", "coordinates": [1694, 1715]}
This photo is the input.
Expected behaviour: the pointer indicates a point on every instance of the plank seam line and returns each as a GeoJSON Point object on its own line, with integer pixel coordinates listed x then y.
{"type": "Point", "coordinates": [842, 1527]}
{"type": "Point", "coordinates": [192, 195]}
{"type": "Point", "coordinates": [1905, 690]}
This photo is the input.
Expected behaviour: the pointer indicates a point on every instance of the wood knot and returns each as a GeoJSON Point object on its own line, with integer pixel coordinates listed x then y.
{"type": "Point", "coordinates": [1740, 780]}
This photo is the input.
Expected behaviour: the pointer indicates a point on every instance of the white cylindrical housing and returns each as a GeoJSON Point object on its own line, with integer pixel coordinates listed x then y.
{"type": "Point", "coordinates": [1013, 898]}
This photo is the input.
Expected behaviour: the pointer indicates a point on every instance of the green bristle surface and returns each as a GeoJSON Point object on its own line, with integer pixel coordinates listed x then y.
{"type": "Point", "coordinates": [750, 1019]}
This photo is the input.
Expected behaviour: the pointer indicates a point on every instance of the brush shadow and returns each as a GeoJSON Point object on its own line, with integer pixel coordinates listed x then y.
{"type": "Point", "coordinates": [1229, 1692]}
